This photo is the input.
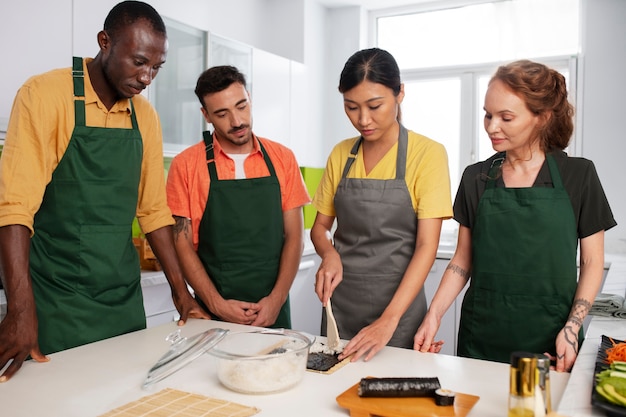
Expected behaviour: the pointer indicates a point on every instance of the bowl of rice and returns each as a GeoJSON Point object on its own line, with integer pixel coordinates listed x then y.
{"type": "Point", "coordinates": [261, 362]}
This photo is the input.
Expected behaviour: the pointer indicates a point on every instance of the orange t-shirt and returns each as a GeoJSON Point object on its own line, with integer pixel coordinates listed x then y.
{"type": "Point", "coordinates": [188, 178]}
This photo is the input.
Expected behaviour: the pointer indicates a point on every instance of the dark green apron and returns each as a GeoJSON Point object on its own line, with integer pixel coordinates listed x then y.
{"type": "Point", "coordinates": [241, 235]}
{"type": "Point", "coordinates": [84, 267]}
{"type": "Point", "coordinates": [524, 270]}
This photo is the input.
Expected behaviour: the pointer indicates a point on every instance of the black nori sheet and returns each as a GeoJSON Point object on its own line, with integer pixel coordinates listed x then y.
{"type": "Point", "coordinates": [320, 361]}
{"type": "Point", "coordinates": [398, 387]}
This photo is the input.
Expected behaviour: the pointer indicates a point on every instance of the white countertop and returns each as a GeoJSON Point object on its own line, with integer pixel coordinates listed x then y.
{"type": "Point", "coordinates": [93, 379]}
{"type": "Point", "coordinates": [96, 378]}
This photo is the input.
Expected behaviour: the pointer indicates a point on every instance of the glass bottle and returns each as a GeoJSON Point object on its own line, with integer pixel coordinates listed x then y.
{"type": "Point", "coordinates": [543, 404]}
{"type": "Point", "coordinates": [522, 385]}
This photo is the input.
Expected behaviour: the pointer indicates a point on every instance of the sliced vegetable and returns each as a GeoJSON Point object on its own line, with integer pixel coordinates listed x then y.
{"type": "Point", "coordinates": [613, 389]}
{"type": "Point", "coordinates": [619, 365]}
{"type": "Point", "coordinates": [618, 374]}
{"type": "Point", "coordinates": [610, 389]}
{"type": "Point", "coordinates": [600, 390]}
{"type": "Point", "coordinates": [617, 352]}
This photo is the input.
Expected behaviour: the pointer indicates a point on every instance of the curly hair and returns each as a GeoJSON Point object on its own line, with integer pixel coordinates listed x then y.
{"type": "Point", "coordinates": [544, 91]}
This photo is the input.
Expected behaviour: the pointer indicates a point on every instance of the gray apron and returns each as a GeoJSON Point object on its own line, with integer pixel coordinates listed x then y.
{"type": "Point", "coordinates": [375, 237]}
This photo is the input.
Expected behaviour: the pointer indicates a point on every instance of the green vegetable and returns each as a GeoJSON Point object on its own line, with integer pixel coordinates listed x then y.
{"type": "Point", "coordinates": [620, 399]}
{"type": "Point", "coordinates": [612, 386]}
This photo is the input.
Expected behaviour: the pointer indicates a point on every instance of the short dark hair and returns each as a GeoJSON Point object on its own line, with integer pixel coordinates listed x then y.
{"type": "Point", "coordinates": [216, 79]}
{"type": "Point", "coordinates": [126, 13]}
{"type": "Point", "coordinates": [375, 65]}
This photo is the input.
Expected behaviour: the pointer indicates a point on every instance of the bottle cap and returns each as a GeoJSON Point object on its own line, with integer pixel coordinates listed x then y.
{"type": "Point", "coordinates": [523, 369]}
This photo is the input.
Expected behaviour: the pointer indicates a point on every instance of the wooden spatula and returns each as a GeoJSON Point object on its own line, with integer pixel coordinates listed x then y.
{"type": "Point", "coordinates": [332, 334]}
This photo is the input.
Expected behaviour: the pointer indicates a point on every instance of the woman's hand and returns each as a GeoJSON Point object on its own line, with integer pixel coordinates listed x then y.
{"type": "Point", "coordinates": [328, 276]}
{"type": "Point", "coordinates": [566, 349]}
{"type": "Point", "coordinates": [369, 340]}
{"type": "Point", "coordinates": [424, 339]}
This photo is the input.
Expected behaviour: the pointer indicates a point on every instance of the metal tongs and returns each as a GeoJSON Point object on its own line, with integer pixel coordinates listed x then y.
{"type": "Point", "coordinates": [332, 333]}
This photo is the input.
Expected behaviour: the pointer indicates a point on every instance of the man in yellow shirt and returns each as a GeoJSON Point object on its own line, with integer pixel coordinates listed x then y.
{"type": "Point", "coordinates": [81, 160]}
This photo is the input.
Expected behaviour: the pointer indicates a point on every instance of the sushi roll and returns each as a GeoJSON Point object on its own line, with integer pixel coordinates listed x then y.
{"type": "Point", "coordinates": [444, 397]}
{"type": "Point", "coordinates": [398, 387]}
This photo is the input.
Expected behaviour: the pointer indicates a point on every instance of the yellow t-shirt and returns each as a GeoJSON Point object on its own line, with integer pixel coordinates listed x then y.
{"type": "Point", "coordinates": [427, 175]}
{"type": "Point", "coordinates": [39, 131]}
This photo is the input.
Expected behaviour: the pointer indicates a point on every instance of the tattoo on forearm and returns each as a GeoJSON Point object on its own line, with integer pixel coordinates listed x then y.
{"type": "Point", "coordinates": [579, 311]}
{"type": "Point", "coordinates": [458, 270]}
{"type": "Point", "coordinates": [182, 225]}
{"type": "Point", "coordinates": [571, 337]}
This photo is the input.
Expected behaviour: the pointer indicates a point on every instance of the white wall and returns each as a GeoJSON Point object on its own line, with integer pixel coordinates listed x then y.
{"type": "Point", "coordinates": [37, 35]}
{"type": "Point", "coordinates": [275, 28]}
{"type": "Point", "coordinates": [603, 113]}
{"type": "Point", "coordinates": [347, 26]}
{"type": "Point", "coordinates": [601, 110]}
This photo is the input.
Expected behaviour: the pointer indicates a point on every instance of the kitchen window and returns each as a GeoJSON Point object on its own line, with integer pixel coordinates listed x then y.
{"type": "Point", "coordinates": [447, 57]}
{"type": "Point", "coordinates": [172, 92]}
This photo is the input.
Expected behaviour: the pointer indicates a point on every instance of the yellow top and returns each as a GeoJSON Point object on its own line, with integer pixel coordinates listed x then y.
{"type": "Point", "coordinates": [427, 176]}
{"type": "Point", "coordinates": [39, 131]}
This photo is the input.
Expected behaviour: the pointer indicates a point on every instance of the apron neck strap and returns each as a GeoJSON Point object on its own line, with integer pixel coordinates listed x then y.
{"type": "Point", "coordinates": [351, 157]}
{"type": "Point", "coordinates": [78, 76]}
{"type": "Point", "coordinates": [79, 91]}
{"type": "Point", "coordinates": [403, 139]}
{"type": "Point", "coordinates": [494, 171]}
{"type": "Point", "coordinates": [496, 164]}
{"type": "Point", "coordinates": [207, 137]}
{"type": "Point", "coordinates": [557, 182]}
{"type": "Point", "coordinates": [403, 143]}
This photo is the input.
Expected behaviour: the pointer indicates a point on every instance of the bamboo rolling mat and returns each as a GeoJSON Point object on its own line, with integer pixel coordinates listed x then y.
{"type": "Point", "coordinates": [170, 402]}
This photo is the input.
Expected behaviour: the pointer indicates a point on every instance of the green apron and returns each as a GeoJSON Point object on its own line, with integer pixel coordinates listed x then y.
{"type": "Point", "coordinates": [524, 274]}
{"type": "Point", "coordinates": [84, 267]}
{"type": "Point", "coordinates": [241, 235]}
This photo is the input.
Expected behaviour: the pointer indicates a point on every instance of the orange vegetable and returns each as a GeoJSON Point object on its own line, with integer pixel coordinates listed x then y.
{"type": "Point", "coordinates": [616, 353]}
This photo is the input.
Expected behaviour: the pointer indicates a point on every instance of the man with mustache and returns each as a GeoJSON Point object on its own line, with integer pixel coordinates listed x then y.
{"type": "Point", "coordinates": [237, 200]}
{"type": "Point", "coordinates": [83, 157]}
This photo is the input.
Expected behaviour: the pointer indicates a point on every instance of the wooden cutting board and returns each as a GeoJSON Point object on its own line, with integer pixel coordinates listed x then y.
{"type": "Point", "coordinates": [403, 407]}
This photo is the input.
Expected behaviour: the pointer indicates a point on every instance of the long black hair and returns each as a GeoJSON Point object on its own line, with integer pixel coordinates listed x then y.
{"type": "Point", "coordinates": [375, 65]}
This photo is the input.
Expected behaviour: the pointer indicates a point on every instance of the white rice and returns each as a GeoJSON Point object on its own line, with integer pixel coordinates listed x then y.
{"type": "Point", "coordinates": [262, 375]}
{"type": "Point", "coordinates": [321, 347]}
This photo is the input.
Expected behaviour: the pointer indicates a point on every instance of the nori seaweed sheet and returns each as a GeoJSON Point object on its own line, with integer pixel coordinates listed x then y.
{"type": "Point", "coordinates": [320, 361]}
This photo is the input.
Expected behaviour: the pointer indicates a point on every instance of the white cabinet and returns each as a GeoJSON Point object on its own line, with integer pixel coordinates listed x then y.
{"type": "Point", "coordinates": [270, 95]}
{"type": "Point", "coordinates": [157, 299]}
{"type": "Point", "coordinates": [306, 308]}
{"type": "Point", "coordinates": [447, 329]}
